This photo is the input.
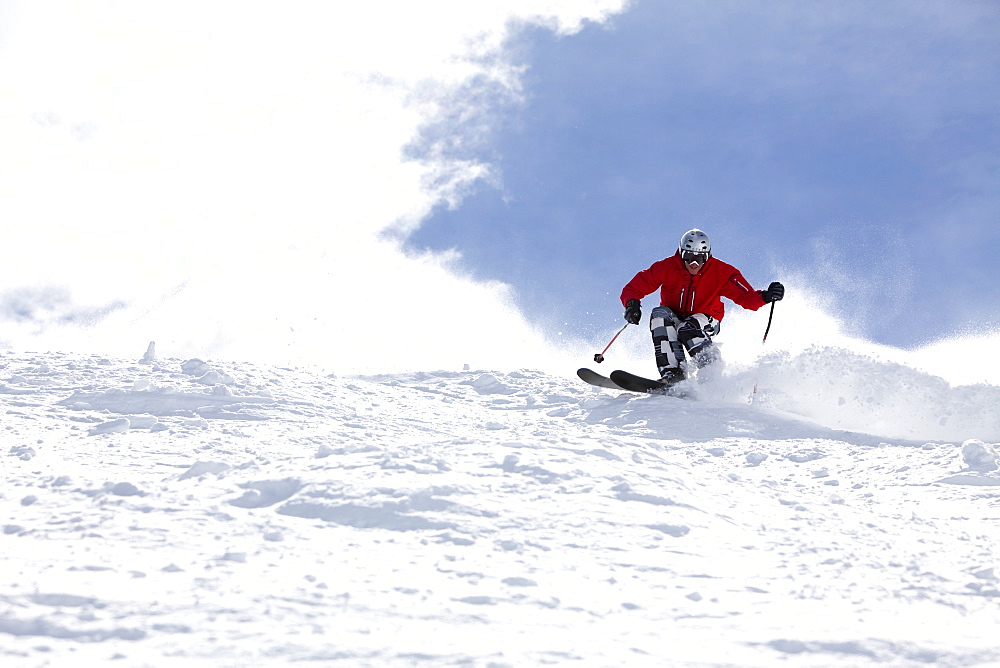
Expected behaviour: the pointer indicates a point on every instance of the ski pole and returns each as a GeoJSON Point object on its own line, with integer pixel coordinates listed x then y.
{"type": "Point", "coordinates": [599, 357]}
{"type": "Point", "coordinates": [769, 319]}
{"type": "Point", "coordinates": [763, 341]}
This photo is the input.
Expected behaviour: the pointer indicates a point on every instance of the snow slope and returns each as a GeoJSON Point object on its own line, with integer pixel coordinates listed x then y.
{"type": "Point", "coordinates": [179, 513]}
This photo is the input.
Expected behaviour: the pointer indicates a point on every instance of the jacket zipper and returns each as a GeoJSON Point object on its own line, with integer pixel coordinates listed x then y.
{"type": "Point", "coordinates": [690, 290]}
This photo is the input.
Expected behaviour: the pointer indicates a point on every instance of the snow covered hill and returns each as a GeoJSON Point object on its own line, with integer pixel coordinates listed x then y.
{"type": "Point", "coordinates": [179, 513]}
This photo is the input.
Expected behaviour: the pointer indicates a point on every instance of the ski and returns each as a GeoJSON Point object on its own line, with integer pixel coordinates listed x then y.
{"type": "Point", "coordinates": [633, 383]}
{"type": "Point", "coordinates": [594, 378]}
{"type": "Point", "coordinates": [623, 380]}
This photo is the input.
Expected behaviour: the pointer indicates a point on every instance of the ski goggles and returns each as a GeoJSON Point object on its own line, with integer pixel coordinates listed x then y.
{"type": "Point", "coordinates": [692, 257]}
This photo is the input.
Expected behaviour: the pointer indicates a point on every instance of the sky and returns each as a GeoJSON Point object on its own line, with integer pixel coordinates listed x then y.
{"type": "Point", "coordinates": [473, 183]}
{"type": "Point", "coordinates": [847, 147]}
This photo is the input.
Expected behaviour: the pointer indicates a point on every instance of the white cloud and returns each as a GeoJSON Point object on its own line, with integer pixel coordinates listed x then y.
{"type": "Point", "coordinates": [226, 168]}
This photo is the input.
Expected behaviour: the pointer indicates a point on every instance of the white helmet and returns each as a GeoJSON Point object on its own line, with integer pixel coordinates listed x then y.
{"type": "Point", "coordinates": [695, 241]}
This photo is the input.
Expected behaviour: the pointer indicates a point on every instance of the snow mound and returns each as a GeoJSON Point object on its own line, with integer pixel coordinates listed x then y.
{"type": "Point", "coordinates": [843, 390]}
{"type": "Point", "coordinates": [979, 456]}
{"type": "Point", "coordinates": [167, 401]}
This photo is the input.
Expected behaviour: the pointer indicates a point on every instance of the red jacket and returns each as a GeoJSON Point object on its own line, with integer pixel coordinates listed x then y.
{"type": "Point", "coordinates": [686, 294]}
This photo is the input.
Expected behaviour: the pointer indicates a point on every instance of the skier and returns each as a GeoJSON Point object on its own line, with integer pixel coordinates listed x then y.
{"type": "Point", "coordinates": [691, 282]}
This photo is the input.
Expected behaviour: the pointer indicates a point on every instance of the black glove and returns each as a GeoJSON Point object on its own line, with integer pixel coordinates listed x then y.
{"type": "Point", "coordinates": [633, 312]}
{"type": "Point", "coordinates": [774, 292]}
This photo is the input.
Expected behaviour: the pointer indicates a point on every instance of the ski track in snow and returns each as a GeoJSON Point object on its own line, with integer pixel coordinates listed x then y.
{"type": "Point", "coordinates": [252, 515]}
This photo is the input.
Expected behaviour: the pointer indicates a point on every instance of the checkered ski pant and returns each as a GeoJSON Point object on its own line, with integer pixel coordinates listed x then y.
{"type": "Point", "coordinates": [674, 335]}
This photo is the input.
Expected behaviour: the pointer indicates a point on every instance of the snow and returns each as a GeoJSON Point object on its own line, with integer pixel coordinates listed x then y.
{"type": "Point", "coordinates": [202, 513]}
